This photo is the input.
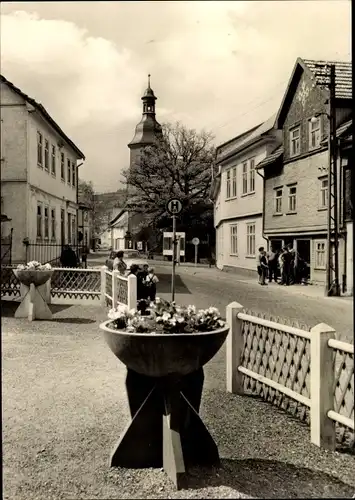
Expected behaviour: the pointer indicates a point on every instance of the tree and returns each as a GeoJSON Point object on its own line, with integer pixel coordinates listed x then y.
{"type": "Point", "coordinates": [179, 165]}
{"type": "Point", "coordinates": [88, 197]}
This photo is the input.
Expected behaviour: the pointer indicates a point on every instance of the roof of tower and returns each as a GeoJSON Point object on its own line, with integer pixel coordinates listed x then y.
{"type": "Point", "coordinates": [149, 91]}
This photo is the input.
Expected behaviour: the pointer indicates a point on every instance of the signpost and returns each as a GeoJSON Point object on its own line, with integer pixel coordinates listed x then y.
{"type": "Point", "coordinates": [196, 242]}
{"type": "Point", "coordinates": [174, 207]}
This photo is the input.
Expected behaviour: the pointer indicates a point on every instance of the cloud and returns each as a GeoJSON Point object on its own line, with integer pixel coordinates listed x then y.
{"type": "Point", "coordinates": [222, 66]}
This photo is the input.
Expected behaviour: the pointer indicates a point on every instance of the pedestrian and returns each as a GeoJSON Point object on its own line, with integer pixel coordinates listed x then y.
{"type": "Point", "coordinates": [142, 289]}
{"type": "Point", "coordinates": [84, 256]}
{"type": "Point", "coordinates": [286, 266]}
{"type": "Point", "coordinates": [292, 270]}
{"type": "Point", "coordinates": [151, 283]}
{"type": "Point", "coordinates": [119, 264]}
{"type": "Point", "coordinates": [68, 257]}
{"type": "Point", "coordinates": [272, 264]}
{"type": "Point", "coordinates": [262, 265]}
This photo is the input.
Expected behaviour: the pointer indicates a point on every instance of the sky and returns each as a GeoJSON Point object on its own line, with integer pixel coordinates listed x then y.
{"type": "Point", "coordinates": [218, 66]}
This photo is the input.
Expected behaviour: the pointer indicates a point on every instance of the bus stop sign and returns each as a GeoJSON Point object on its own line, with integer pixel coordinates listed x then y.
{"type": "Point", "coordinates": [174, 206]}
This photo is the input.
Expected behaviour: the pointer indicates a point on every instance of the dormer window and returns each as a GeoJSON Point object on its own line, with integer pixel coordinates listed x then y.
{"type": "Point", "coordinates": [295, 134]}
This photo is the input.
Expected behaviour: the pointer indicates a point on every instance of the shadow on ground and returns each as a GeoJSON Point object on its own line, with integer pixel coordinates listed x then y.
{"type": "Point", "coordinates": [8, 309]}
{"type": "Point", "coordinates": [270, 479]}
{"type": "Point", "coordinates": [76, 321]}
{"type": "Point", "coordinates": [164, 285]}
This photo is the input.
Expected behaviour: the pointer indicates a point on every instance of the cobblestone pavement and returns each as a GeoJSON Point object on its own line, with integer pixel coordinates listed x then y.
{"type": "Point", "coordinates": [64, 406]}
{"type": "Point", "coordinates": [204, 287]}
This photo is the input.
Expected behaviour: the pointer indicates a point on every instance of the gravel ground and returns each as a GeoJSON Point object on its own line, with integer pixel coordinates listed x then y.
{"type": "Point", "coordinates": [64, 406]}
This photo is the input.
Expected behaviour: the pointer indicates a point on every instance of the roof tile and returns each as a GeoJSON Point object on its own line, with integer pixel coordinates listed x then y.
{"type": "Point", "coordinates": [343, 76]}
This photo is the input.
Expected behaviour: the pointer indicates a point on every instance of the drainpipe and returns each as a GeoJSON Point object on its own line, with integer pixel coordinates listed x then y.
{"type": "Point", "coordinates": [263, 219]}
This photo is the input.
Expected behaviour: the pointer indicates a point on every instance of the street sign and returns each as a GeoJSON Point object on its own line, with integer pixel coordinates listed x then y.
{"type": "Point", "coordinates": [174, 206]}
{"type": "Point", "coordinates": [195, 241]}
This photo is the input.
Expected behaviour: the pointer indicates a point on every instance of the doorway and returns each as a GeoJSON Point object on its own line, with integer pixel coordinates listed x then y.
{"type": "Point", "coordinates": [304, 257]}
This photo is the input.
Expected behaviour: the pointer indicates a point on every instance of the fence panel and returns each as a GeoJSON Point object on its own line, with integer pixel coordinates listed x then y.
{"type": "Point", "coordinates": [10, 285]}
{"type": "Point", "coordinates": [280, 356]}
{"type": "Point", "coordinates": [82, 285]}
{"type": "Point", "coordinates": [343, 390]}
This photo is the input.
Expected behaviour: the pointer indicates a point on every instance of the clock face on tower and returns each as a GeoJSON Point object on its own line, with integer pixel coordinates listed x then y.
{"type": "Point", "coordinates": [303, 93]}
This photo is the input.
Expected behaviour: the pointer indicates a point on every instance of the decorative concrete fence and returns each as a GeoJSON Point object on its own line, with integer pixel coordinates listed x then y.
{"type": "Point", "coordinates": [96, 286]}
{"type": "Point", "coordinates": [306, 372]}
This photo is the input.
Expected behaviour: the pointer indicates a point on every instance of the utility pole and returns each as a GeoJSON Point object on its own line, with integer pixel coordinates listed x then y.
{"type": "Point", "coordinates": [326, 78]}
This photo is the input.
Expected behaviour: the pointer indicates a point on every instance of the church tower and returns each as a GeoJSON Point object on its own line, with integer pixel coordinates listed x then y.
{"type": "Point", "coordinates": [147, 132]}
{"type": "Point", "coordinates": [148, 129]}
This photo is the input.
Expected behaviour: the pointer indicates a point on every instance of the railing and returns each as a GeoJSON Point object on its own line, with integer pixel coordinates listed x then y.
{"type": "Point", "coordinates": [46, 252]}
{"type": "Point", "coordinates": [308, 373]}
{"type": "Point", "coordinates": [119, 289]}
{"type": "Point", "coordinates": [79, 286]}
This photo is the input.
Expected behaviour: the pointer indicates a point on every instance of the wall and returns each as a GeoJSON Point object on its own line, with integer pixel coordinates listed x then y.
{"type": "Point", "coordinates": [14, 194]}
{"type": "Point", "coordinates": [305, 173]}
{"type": "Point", "coordinates": [41, 178]}
{"type": "Point", "coordinates": [242, 260]}
{"type": "Point", "coordinates": [13, 136]}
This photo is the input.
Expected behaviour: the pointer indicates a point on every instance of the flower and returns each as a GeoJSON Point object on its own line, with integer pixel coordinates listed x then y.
{"type": "Point", "coordinates": [161, 316]}
{"type": "Point", "coordinates": [34, 265]}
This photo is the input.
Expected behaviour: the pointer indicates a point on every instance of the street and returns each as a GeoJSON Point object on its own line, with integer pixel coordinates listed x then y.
{"type": "Point", "coordinates": [206, 287]}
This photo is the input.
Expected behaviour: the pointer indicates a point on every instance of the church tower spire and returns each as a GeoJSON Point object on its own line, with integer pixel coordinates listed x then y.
{"type": "Point", "coordinates": [148, 129]}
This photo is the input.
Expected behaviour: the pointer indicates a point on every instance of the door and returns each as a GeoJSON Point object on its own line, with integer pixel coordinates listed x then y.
{"type": "Point", "coordinates": [304, 257]}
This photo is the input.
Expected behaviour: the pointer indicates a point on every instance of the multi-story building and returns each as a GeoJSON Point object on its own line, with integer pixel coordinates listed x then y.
{"type": "Point", "coordinates": [237, 192]}
{"type": "Point", "coordinates": [39, 172]}
{"type": "Point", "coordinates": [296, 173]}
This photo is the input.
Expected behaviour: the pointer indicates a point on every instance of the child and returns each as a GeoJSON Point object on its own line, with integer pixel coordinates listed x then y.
{"type": "Point", "coordinates": [151, 283]}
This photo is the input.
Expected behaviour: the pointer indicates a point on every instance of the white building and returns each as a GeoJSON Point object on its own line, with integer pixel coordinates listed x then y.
{"type": "Point", "coordinates": [39, 173]}
{"type": "Point", "coordinates": [237, 192]}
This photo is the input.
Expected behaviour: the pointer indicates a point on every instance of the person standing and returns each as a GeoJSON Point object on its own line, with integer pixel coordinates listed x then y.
{"type": "Point", "coordinates": [119, 264]}
{"type": "Point", "coordinates": [286, 266]}
{"type": "Point", "coordinates": [292, 271]}
{"type": "Point", "coordinates": [272, 265]}
{"type": "Point", "coordinates": [151, 284]}
{"type": "Point", "coordinates": [68, 257]}
{"type": "Point", "coordinates": [262, 266]}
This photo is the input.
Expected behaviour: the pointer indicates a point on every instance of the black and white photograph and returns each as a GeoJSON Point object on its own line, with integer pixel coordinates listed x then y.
{"type": "Point", "coordinates": [177, 249]}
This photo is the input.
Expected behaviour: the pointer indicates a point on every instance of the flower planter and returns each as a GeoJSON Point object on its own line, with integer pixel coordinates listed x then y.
{"type": "Point", "coordinates": [164, 385]}
{"type": "Point", "coordinates": [33, 305]}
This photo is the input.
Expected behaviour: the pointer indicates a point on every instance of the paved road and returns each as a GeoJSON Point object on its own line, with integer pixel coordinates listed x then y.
{"type": "Point", "coordinates": [204, 287]}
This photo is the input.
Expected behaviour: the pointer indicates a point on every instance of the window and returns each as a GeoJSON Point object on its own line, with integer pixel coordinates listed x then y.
{"type": "Point", "coordinates": [228, 193]}
{"type": "Point", "coordinates": [62, 173]}
{"type": "Point", "coordinates": [46, 155]}
{"type": "Point", "coordinates": [252, 176]}
{"type": "Point", "coordinates": [323, 198]}
{"type": "Point", "coordinates": [320, 255]}
{"type": "Point", "coordinates": [53, 160]}
{"type": "Point", "coordinates": [234, 240]}
{"type": "Point", "coordinates": [68, 171]}
{"type": "Point", "coordinates": [73, 166]}
{"type": "Point", "coordinates": [245, 178]}
{"type": "Point", "coordinates": [53, 224]}
{"type": "Point", "coordinates": [251, 240]}
{"type": "Point", "coordinates": [292, 191]}
{"type": "Point", "coordinates": [62, 225]}
{"type": "Point", "coordinates": [69, 228]}
{"type": "Point", "coordinates": [295, 141]}
{"type": "Point", "coordinates": [46, 222]}
{"type": "Point", "coordinates": [234, 182]}
{"type": "Point", "coordinates": [314, 133]}
{"type": "Point", "coordinates": [278, 201]}
{"type": "Point", "coordinates": [39, 221]}
{"type": "Point", "coordinates": [73, 230]}
{"type": "Point", "coordinates": [39, 149]}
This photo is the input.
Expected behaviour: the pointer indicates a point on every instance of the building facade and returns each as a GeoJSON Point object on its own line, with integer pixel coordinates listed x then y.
{"type": "Point", "coordinates": [296, 174]}
{"type": "Point", "coordinates": [39, 170]}
{"type": "Point", "coordinates": [237, 192]}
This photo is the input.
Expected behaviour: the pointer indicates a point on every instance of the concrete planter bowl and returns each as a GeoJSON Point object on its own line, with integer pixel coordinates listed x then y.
{"type": "Point", "coordinates": [164, 386]}
{"type": "Point", "coordinates": [161, 355]}
{"type": "Point", "coordinates": [35, 276]}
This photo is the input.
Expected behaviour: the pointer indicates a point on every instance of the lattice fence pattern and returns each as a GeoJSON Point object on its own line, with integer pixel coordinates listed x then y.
{"type": "Point", "coordinates": [344, 393]}
{"type": "Point", "coordinates": [76, 283]}
{"type": "Point", "coordinates": [108, 287]}
{"type": "Point", "coordinates": [10, 285]}
{"type": "Point", "coordinates": [281, 357]}
{"type": "Point", "coordinates": [122, 290]}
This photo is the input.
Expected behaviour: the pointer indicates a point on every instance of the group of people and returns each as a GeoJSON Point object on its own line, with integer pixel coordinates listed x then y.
{"type": "Point", "coordinates": [146, 278]}
{"type": "Point", "coordinates": [284, 267]}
